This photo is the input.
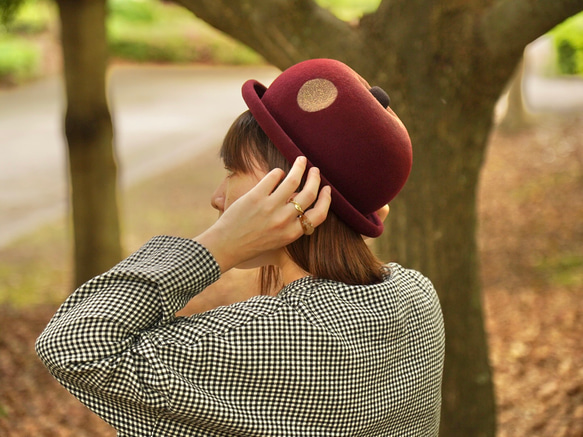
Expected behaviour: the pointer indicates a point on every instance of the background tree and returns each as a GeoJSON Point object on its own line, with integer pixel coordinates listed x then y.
{"type": "Point", "coordinates": [89, 133]}
{"type": "Point", "coordinates": [445, 64]}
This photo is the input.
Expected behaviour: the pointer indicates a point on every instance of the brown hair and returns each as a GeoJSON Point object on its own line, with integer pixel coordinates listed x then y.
{"type": "Point", "coordinates": [334, 251]}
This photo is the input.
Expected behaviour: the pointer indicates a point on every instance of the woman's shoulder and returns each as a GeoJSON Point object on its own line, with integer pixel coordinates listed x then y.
{"type": "Point", "coordinates": [410, 283]}
{"type": "Point", "coordinates": [399, 285]}
{"type": "Point", "coordinates": [398, 273]}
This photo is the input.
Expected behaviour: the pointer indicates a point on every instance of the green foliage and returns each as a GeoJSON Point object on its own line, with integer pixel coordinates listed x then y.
{"type": "Point", "coordinates": [349, 9]}
{"type": "Point", "coordinates": [152, 31]}
{"type": "Point", "coordinates": [19, 61]}
{"type": "Point", "coordinates": [20, 57]}
{"type": "Point", "coordinates": [133, 11]}
{"type": "Point", "coordinates": [33, 17]}
{"type": "Point", "coordinates": [568, 40]}
{"type": "Point", "coordinates": [26, 17]}
{"type": "Point", "coordinates": [8, 9]}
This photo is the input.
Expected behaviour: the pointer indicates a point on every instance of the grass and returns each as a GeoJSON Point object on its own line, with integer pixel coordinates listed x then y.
{"type": "Point", "coordinates": [37, 268]}
{"type": "Point", "coordinates": [563, 270]}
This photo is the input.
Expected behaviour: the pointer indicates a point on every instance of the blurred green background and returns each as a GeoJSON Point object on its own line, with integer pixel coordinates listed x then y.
{"type": "Point", "coordinates": [139, 31]}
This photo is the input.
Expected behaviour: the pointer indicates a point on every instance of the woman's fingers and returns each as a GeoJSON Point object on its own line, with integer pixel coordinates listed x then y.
{"type": "Point", "coordinates": [312, 215]}
{"type": "Point", "coordinates": [309, 192]}
{"type": "Point", "coordinates": [319, 211]}
{"type": "Point", "coordinates": [292, 181]}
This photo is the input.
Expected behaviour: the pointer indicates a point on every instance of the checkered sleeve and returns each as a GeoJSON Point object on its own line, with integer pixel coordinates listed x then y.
{"type": "Point", "coordinates": [88, 343]}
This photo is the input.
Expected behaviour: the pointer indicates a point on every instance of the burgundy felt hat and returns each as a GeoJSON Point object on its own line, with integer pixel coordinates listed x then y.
{"type": "Point", "coordinates": [324, 110]}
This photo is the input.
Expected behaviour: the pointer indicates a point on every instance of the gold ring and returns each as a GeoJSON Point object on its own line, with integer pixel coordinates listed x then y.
{"type": "Point", "coordinates": [298, 207]}
{"type": "Point", "coordinates": [307, 226]}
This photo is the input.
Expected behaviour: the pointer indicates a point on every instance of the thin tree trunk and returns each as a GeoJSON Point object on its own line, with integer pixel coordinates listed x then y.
{"type": "Point", "coordinates": [88, 127]}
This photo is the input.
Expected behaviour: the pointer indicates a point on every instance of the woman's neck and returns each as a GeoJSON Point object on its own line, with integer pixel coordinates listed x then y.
{"type": "Point", "coordinates": [290, 271]}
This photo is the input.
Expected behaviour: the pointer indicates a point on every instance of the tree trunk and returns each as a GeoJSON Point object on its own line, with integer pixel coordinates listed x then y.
{"type": "Point", "coordinates": [432, 229]}
{"type": "Point", "coordinates": [434, 219]}
{"type": "Point", "coordinates": [89, 132]}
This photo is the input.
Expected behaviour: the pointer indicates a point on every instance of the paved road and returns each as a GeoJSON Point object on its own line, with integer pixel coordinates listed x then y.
{"type": "Point", "coordinates": [162, 116]}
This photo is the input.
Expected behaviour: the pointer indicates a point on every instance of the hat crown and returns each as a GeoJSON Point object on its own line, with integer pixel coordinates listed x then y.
{"type": "Point", "coordinates": [324, 110]}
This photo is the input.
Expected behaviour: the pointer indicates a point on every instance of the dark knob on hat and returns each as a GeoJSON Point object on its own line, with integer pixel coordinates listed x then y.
{"type": "Point", "coordinates": [381, 96]}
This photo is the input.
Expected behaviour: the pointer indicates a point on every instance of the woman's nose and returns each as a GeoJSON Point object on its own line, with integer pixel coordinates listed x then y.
{"type": "Point", "coordinates": [218, 198]}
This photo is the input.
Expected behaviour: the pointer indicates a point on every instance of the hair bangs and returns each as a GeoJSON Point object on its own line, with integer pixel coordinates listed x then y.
{"type": "Point", "coordinates": [242, 147]}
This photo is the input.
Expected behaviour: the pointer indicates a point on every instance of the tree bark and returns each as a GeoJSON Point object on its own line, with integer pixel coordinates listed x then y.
{"type": "Point", "coordinates": [444, 64]}
{"type": "Point", "coordinates": [89, 132]}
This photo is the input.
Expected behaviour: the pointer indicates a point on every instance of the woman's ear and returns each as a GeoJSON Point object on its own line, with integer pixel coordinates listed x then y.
{"type": "Point", "coordinates": [383, 212]}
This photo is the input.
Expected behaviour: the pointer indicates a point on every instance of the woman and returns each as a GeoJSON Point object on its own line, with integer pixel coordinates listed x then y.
{"type": "Point", "coordinates": [335, 344]}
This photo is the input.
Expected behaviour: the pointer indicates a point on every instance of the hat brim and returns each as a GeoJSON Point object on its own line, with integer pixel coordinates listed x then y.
{"type": "Point", "coordinates": [252, 91]}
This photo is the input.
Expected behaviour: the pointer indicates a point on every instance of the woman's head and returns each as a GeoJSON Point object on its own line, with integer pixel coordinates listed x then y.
{"type": "Point", "coordinates": [334, 251]}
{"type": "Point", "coordinates": [325, 111]}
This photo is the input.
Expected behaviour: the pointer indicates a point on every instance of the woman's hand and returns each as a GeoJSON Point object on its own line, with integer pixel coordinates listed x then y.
{"type": "Point", "coordinates": [263, 220]}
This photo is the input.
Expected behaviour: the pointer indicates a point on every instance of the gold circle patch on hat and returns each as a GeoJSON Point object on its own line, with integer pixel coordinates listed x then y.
{"type": "Point", "coordinates": [316, 94]}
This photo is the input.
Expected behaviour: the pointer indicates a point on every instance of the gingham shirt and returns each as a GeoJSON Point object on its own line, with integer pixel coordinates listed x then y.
{"type": "Point", "coordinates": [320, 359]}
